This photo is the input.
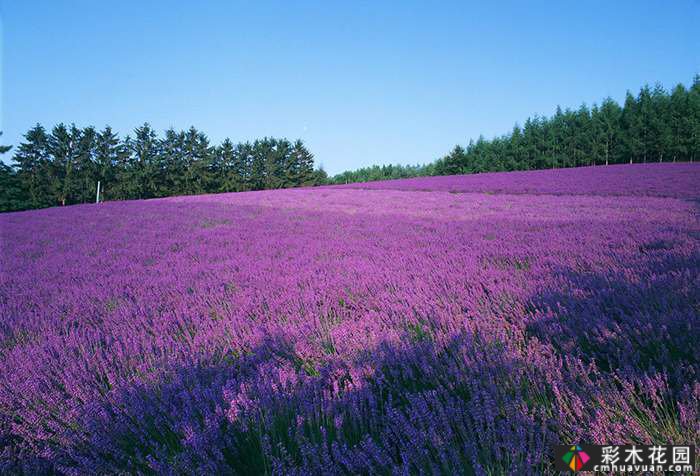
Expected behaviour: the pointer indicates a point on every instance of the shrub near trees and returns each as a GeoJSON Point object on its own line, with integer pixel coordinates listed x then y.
{"type": "Point", "coordinates": [62, 166]}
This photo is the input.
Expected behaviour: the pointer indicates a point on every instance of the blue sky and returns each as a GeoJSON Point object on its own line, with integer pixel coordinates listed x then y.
{"type": "Point", "coordinates": [360, 82]}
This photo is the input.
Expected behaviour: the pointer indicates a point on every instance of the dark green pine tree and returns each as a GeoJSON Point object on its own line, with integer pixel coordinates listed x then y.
{"type": "Point", "coordinates": [145, 176]}
{"type": "Point", "coordinates": [555, 138]}
{"type": "Point", "coordinates": [208, 177]}
{"type": "Point", "coordinates": [694, 120]}
{"type": "Point", "coordinates": [452, 163]}
{"type": "Point", "coordinates": [583, 141]}
{"type": "Point", "coordinates": [275, 152]}
{"type": "Point", "coordinates": [644, 123]}
{"type": "Point", "coordinates": [12, 196]}
{"type": "Point", "coordinates": [242, 165]}
{"type": "Point", "coordinates": [300, 169]}
{"type": "Point", "coordinates": [660, 130]}
{"type": "Point", "coordinates": [679, 123]}
{"type": "Point", "coordinates": [84, 184]}
{"type": "Point", "coordinates": [608, 127]}
{"type": "Point", "coordinates": [61, 146]}
{"type": "Point", "coordinates": [632, 129]}
{"type": "Point", "coordinates": [34, 168]}
{"type": "Point", "coordinates": [286, 164]}
{"type": "Point", "coordinates": [515, 157]}
{"type": "Point", "coordinates": [109, 154]}
{"type": "Point", "coordinates": [172, 160]}
{"type": "Point", "coordinates": [258, 169]}
{"type": "Point", "coordinates": [124, 187]}
{"type": "Point", "coordinates": [225, 155]}
{"type": "Point", "coordinates": [481, 156]}
{"type": "Point", "coordinates": [198, 156]}
{"type": "Point", "coordinates": [217, 167]}
{"type": "Point", "coordinates": [532, 144]}
{"type": "Point", "coordinates": [233, 170]}
{"type": "Point", "coordinates": [596, 137]}
{"type": "Point", "coordinates": [570, 139]}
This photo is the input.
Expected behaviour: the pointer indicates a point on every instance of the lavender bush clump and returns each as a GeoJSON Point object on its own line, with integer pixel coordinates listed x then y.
{"type": "Point", "coordinates": [337, 330]}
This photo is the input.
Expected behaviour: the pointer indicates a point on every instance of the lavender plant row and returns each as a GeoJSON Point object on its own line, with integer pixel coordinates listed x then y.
{"type": "Point", "coordinates": [658, 180]}
{"type": "Point", "coordinates": [345, 331]}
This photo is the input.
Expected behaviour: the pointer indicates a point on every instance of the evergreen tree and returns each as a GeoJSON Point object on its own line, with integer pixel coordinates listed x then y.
{"type": "Point", "coordinates": [276, 166]}
{"type": "Point", "coordinates": [225, 155]}
{"type": "Point", "coordinates": [125, 184]}
{"type": "Point", "coordinates": [173, 162]}
{"type": "Point", "coordinates": [452, 163]}
{"type": "Point", "coordinates": [109, 154]}
{"type": "Point", "coordinates": [608, 122]}
{"type": "Point", "coordinates": [12, 196]}
{"type": "Point", "coordinates": [61, 146]}
{"type": "Point", "coordinates": [243, 160]}
{"type": "Point", "coordinates": [632, 129]}
{"type": "Point", "coordinates": [197, 163]}
{"type": "Point", "coordinates": [258, 164]}
{"type": "Point", "coordinates": [143, 174]}
{"type": "Point", "coordinates": [84, 183]}
{"type": "Point", "coordinates": [694, 120]}
{"type": "Point", "coordinates": [644, 123]}
{"type": "Point", "coordinates": [34, 170]}
{"type": "Point", "coordinates": [679, 124]}
{"type": "Point", "coordinates": [4, 148]}
{"type": "Point", "coordinates": [302, 170]}
{"type": "Point", "coordinates": [659, 123]}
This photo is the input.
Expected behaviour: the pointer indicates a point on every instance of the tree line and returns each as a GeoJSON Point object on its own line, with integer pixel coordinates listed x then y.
{"type": "Point", "coordinates": [653, 126]}
{"type": "Point", "coordinates": [382, 172]}
{"type": "Point", "coordinates": [63, 166]}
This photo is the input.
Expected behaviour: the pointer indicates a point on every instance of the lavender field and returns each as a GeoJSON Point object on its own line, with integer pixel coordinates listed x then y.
{"type": "Point", "coordinates": [656, 180]}
{"type": "Point", "coordinates": [444, 325]}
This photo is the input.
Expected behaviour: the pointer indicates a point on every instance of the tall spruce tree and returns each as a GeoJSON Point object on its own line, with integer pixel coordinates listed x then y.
{"type": "Point", "coordinates": [172, 159]}
{"type": "Point", "coordinates": [61, 145]}
{"type": "Point", "coordinates": [109, 154]}
{"type": "Point", "coordinates": [694, 120]}
{"type": "Point", "coordinates": [198, 156]}
{"type": "Point", "coordinates": [303, 168]}
{"type": "Point", "coordinates": [12, 196]}
{"type": "Point", "coordinates": [84, 183]}
{"type": "Point", "coordinates": [34, 169]}
{"type": "Point", "coordinates": [679, 123]}
{"type": "Point", "coordinates": [144, 174]}
{"type": "Point", "coordinates": [608, 119]}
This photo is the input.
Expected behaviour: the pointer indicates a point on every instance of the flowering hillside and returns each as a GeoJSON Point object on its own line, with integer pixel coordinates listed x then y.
{"type": "Point", "coordinates": [658, 180]}
{"type": "Point", "coordinates": [343, 330]}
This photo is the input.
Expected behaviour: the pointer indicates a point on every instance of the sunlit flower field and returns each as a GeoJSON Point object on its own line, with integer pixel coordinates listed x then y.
{"type": "Point", "coordinates": [454, 325]}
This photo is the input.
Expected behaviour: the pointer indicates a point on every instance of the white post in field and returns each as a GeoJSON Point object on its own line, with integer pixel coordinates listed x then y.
{"type": "Point", "coordinates": [97, 198]}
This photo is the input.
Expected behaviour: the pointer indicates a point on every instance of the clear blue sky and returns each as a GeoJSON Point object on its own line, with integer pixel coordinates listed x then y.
{"type": "Point", "coordinates": [360, 82]}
